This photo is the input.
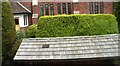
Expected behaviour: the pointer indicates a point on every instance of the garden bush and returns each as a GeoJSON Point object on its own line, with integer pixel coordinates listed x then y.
{"type": "Point", "coordinates": [20, 34]}
{"type": "Point", "coordinates": [8, 32]}
{"type": "Point", "coordinates": [31, 31]}
{"type": "Point", "coordinates": [76, 25]}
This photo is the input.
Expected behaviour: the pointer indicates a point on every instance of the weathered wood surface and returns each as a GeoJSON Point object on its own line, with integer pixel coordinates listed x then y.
{"type": "Point", "coordinates": [69, 47]}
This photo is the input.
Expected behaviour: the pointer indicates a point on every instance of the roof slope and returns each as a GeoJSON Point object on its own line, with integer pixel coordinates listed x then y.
{"type": "Point", "coordinates": [77, 47]}
{"type": "Point", "coordinates": [17, 8]}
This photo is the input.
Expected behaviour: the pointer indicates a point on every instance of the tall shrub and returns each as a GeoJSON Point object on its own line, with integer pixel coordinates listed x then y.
{"type": "Point", "coordinates": [76, 25]}
{"type": "Point", "coordinates": [8, 30]}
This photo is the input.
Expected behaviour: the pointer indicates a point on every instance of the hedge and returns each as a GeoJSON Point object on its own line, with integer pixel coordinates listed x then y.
{"type": "Point", "coordinates": [31, 31]}
{"type": "Point", "coordinates": [76, 25]}
{"type": "Point", "coordinates": [8, 31]}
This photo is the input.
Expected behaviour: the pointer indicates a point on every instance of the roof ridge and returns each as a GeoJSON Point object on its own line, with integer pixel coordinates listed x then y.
{"type": "Point", "coordinates": [23, 7]}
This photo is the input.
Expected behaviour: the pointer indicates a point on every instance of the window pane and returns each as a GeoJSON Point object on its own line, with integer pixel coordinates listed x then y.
{"type": "Point", "coordinates": [41, 10]}
{"type": "Point", "coordinates": [59, 8]}
{"type": "Point", "coordinates": [64, 8]}
{"type": "Point", "coordinates": [101, 7]}
{"type": "Point", "coordinates": [96, 7]}
{"type": "Point", "coordinates": [69, 8]}
{"type": "Point", "coordinates": [51, 9]}
{"type": "Point", "coordinates": [25, 19]}
{"type": "Point", "coordinates": [47, 9]}
{"type": "Point", "coordinates": [91, 7]}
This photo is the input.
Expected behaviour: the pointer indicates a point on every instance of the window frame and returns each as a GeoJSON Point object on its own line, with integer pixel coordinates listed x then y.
{"type": "Point", "coordinates": [47, 9]}
{"type": "Point", "coordinates": [91, 7]}
{"type": "Point", "coordinates": [51, 9]}
{"type": "Point", "coordinates": [101, 7]}
{"type": "Point", "coordinates": [42, 10]}
{"type": "Point", "coordinates": [64, 8]}
{"type": "Point", "coordinates": [96, 8]}
{"type": "Point", "coordinates": [59, 8]}
{"type": "Point", "coordinates": [25, 19]}
{"type": "Point", "coordinates": [69, 8]}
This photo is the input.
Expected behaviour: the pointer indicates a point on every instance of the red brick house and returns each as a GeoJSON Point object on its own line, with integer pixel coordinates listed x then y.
{"type": "Point", "coordinates": [34, 9]}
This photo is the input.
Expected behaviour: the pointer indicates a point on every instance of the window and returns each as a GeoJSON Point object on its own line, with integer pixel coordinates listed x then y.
{"type": "Point", "coordinates": [64, 8]}
{"type": "Point", "coordinates": [96, 7]}
{"type": "Point", "coordinates": [101, 7]}
{"type": "Point", "coordinates": [59, 8]}
{"type": "Point", "coordinates": [47, 9]}
{"type": "Point", "coordinates": [91, 7]}
{"type": "Point", "coordinates": [41, 10]}
{"type": "Point", "coordinates": [51, 9]}
{"type": "Point", "coordinates": [17, 21]}
{"type": "Point", "coordinates": [69, 8]}
{"type": "Point", "coordinates": [25, 19]}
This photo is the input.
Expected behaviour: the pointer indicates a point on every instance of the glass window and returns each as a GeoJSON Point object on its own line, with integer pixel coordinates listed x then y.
{"type": "Point", "coordinates": [59, 8]}
{"type": "Point", "coordinates": [51, 9]}
{"type": "Point", "coordinates": [96, 7]}
{"type": "Point", "coordinates": [25, 19]}
{"type": "Point", "coordinates": [101, 7]}
{"type": "Point", "coordinates": [64, 8]}
{"type": "Point", "coordinates": [91, 7]}
{"type": "Point", "coordinates": [41, 10]}
{"type": "Point", "coordinates": [69, 8]}
{"type": "Point", "coordinates": [47, 9]}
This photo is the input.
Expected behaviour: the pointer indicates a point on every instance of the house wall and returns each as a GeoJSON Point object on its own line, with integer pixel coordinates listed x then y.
{"type": "Point", "coordinates": [76, 7]}
{"type": "Point", "coordinates": [21, 21]}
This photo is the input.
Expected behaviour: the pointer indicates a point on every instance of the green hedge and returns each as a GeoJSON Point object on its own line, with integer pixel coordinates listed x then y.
{"type": "Point", "coordinates": [31, 31]}
{"type": "Point", "coordinates": [76, 25]}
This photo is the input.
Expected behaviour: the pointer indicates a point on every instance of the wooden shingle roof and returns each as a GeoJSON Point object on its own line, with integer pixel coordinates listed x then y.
{"type": "Point", "coordinates": [77, 47]}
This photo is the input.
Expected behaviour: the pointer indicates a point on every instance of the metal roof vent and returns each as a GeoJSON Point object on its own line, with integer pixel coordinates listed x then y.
{"type": "Point", "coordinates": [45, 46]}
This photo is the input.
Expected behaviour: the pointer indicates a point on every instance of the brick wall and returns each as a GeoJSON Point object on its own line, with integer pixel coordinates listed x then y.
{"type": "Point", "coordinates": [108, 8]}
{"type": "Point", "coordinates": [82, 7]}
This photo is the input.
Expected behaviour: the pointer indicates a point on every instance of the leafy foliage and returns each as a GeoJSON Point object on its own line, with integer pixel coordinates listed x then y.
{"type": "Point", "coordinates": [117, 13]}
{"type": "Point", "coordinates": [76, 25]}
{"type": "Point", "coordinates": [8, 31]}
{"type": "Point", "coordinates": [31, 31]}
{"type": "Point", "coordinates": [20, 34]}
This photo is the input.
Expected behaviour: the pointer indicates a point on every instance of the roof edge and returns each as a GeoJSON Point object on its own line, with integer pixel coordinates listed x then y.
{"type": "Point", "coordinates": [24, 7]}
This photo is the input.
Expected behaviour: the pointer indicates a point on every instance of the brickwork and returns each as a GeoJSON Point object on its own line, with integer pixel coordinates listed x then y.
{"type": "Point", "coordinates": [81, 7]}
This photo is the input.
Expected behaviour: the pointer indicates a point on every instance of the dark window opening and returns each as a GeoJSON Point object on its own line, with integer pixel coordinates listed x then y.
{"type": "Point", "coordinates": [47, 9]}
{"type": "Point", "coordinates": [59, 8]}
{"type": "Point", "coordinates": [101, 7]}
{"type": "Point", "coordinates": [69, 8]}
{"type": "Point", "coordinates": [64, 8]}
{"type": "Point", "coordinates": [41, 10]}
{"type": "Point", "coordinates": [45, 46]}
{"type": "Point", "coordinates": [17, 21]}
{"type": "Point", "coordinates": [51, 9]}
